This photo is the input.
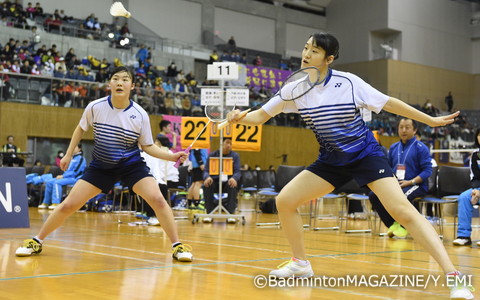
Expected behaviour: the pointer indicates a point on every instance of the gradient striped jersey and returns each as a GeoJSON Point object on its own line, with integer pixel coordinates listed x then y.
{"type": "Point", "coordinates": [117, 132]}
{"type": "Point", "coordinates": [332, 111]}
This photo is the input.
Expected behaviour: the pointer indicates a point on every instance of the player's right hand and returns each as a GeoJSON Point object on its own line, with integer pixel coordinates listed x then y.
{"type": "Point", "coordinates": [234, 116]}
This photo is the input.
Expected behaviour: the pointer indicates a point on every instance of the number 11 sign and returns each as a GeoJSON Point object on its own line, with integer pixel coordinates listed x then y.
{"type": "Point", "coordinates": [222, 71]}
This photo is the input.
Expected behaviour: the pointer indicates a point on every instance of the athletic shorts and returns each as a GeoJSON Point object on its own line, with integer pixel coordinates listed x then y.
{"type": "Point", "coordinates": [104, 179]}
{"type": "Point", "coordinates": [197, 174]}
{"type": "Point", "coordinates": [364, 171]}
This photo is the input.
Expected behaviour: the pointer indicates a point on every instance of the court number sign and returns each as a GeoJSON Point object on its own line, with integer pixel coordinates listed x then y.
{"type": "Point", "coordinates": [246, 137]}
{"type": "Point", "coordinates": [191, 128]}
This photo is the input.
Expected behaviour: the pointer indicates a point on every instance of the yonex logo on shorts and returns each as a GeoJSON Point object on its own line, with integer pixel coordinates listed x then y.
{"type": "Point", "coordinates": [381, 171]}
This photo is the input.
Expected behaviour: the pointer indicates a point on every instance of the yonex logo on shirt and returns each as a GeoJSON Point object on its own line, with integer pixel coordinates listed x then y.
{"type": "Point", "coordinates": [338, 84]}
{"type": "Point", "coordinates": [133, 117]}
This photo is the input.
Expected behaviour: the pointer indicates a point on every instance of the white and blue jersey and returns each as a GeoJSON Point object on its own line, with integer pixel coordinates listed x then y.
{"type": "Point", "coordinates": [332, 111]}
{"type": "Point", "coordinates": [117, 132]}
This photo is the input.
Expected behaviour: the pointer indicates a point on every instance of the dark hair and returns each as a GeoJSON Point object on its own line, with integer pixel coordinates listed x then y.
{"type": "Point", "coordinates": [327, 42]}
{"type": "Point", "coordinates": [477, 133]}
{"type": "Point", "coordinates": [414, 123]}
{"type": "Point", "coordinates": [122, 69]}
{"type": "Point", "coordinates": [10, 136]}
{"type": "Point", "coordinates": [164, 123]}
{"type": "Point", "coordinates": [79, 146]}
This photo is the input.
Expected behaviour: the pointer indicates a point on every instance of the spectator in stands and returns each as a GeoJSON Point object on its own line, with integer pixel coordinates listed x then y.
{"type": "Point", "coordinates": [167, 86]}
{"type": "Point", "coordinates": [449, 101]}
{"type": "Point", "coordinates": [101, 76]}
{"type": "Point", "coordinates": [257, 61]}
{"type": "Point", "coordinates": [70, 54]}
{"type": "Point", "coordinates": [54, 187]}
{"type": "Point", "coordinates": [469, 198]}
{"type": "Point", "coordinates": [10, 155]}
{"type": "Point", "coordinates": [411, 162]}
{"type": "Point", "coordinates": [60, 64]}
{"type": "Point", "coordinates": [429, 109]}
{"type": "Point", "coordinates": [125, 32]}
{"type": "Point", "coordinates": [181, 87]}
{"type": "Point", "coordinates": [30, 11]}
{"type": "Point", "coordinates": [172, 72]}
{"type": "Point", "coordinates": [213, 57]}
{"type": "Point", "coordinates": [60, 155]}
{"type": "Point", "coordinates": [225, 56]}
{"type": "Point", "coordinates": [229, 183]}
{"type": "Point", "coordinates": [35, 70]}
{"type": "Point", "coordinates": [38, 10]}
{"type": "Point", "coordinates": [243, 60]}
{"type": "Point", "coordinates": [26, 68]}
{"type": "Point", "coordinates": [236, 56]}
{"type": "Point", "coordinates": [142, 54]}
{"type": "Point", "coordinates": [232, 44]}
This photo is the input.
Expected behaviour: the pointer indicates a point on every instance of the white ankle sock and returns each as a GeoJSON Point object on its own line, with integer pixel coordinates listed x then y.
{"type": "Point", "coordinates": [39, 240]}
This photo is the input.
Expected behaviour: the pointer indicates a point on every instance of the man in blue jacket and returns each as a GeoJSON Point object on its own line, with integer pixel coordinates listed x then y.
{"type": "Point", "coordinates": [411, 162]}
{"type": "Point", "coordinates": [53, 187]}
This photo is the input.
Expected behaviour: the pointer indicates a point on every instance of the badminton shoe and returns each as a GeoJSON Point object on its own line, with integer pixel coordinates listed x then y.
{"type": "Point", "coordinates": [292, 268]}
{"type": "Point", "coordinates": [392, 228]}
{"type": "Point", "coordinates": [29, 247]}
{"type": "Point", "coordinates": [459, 290]}
{"type": "Point", "coordinates": [462, 241]}
{"type": "Point", "coordinates": [182, 253]}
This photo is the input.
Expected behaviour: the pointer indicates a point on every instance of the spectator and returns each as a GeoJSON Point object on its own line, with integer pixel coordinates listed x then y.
{"type": "Point", "coordinates": [229, 183]}
{"type": "Point", "coordinates": [469, 198]}
{"type": "Point", "coordinates": [257, 61]}
{"type": "Point", "coordinates": [232, 44]}
{"type": "Point", "coordinates": [10, 155]}
{"type": "Point", "coordinates": [198, 159]}
{"type": "Point", "coordinates": [53, 188]}
{"type": "Point", "coordinates": [449, 101]}
{"type": "Point", "coordinates": [172, 71]}
{"type": "Point", "coordinates": [411, 162]}
{"type": "Point", "coordinates": [166, 130]}
{"type": "Point", "coordinates": [59, 157]}
{"type": "Point", "coordinates": [213, 57]}
{"type": "Point", "coordinates": [142, 54]}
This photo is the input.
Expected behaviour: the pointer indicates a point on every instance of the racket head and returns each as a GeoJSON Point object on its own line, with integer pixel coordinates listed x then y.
{"type": "Point", "coordinates": [299, 83]}
{"type": "Point", "coordinates": [218, 113]}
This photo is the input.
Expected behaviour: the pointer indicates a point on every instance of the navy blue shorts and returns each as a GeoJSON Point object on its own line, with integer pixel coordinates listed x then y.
{"type": "Point", "coordinates": [104, 179]}
{"type": "Point", "coordinates": [364, 171]}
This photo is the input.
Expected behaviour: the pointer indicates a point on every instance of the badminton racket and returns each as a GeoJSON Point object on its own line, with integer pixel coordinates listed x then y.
{"type": "Point", "coordinates": [177, 164]}
{"type": "Point", "coordinates": [295, 86]}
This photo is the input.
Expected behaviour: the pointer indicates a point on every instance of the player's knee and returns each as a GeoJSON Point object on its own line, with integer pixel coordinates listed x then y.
{"type": "Point", "coordinates": [159, 202]}
{"type": "Point", "coordinates": [283, 204]}
{"type": "Point", "coordinates": [67, 207]}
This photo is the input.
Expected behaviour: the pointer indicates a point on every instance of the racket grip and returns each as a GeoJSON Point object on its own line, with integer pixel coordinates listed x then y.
{"type": "Point", "coordinates": [225, 123]}
{"type": "Point", "coordinates": [177, 164]}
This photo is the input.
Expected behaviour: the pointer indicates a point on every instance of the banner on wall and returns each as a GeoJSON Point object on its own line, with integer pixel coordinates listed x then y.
{"type": "Point", "coordinates": [266, 77]}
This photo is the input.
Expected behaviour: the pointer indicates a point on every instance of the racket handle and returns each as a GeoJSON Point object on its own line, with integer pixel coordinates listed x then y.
{"type": "Point", "coordinates": [225, 123]}
{"type": "Point", "coordinates": [177, 164]}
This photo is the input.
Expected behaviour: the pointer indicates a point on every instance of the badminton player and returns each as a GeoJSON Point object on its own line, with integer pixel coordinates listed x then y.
{"type": "Point", "coordinates": [119, 126]}
{"type": "Point", "coordinates": [347, 150]}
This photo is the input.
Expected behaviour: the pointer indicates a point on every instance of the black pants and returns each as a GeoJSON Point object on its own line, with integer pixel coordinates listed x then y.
{"type": "Point", "coordinates": [210, 203]}
{"type": "Point", "coordinates": [386, 218]}
{"type": "Point", "coordinates": [147, 208]}
{"type": "Point", "coordinates": [9, 161]}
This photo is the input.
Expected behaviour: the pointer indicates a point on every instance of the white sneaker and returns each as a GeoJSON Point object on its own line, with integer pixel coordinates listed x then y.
{"type": "Point", "coordinates": [182, 253]}
{"type": "Point", "coordinates": [43, 206]}
{"type": "Point", "coordinates": [461, 292]}
{"type": "Point", "coordinates": [292, 268]}
{"type": "Point", "coordinates": [207, 220]}
{"type": "Point", "coordinates": [153, 221]}
{"type": "Point", "coordinates": [231, 220]}
{"type": "Point", "coordinates": [462, 241]}
{"type": "Point", "coordinates": [53, 206]}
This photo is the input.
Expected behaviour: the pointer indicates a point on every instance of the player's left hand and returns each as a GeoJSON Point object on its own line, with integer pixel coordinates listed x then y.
{"type": "Point", "coordinates": [443, 120]}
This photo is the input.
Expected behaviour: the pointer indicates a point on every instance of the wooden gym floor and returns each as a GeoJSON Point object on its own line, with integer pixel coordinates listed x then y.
{"type": "Point", "coordinates": [93, 256]}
